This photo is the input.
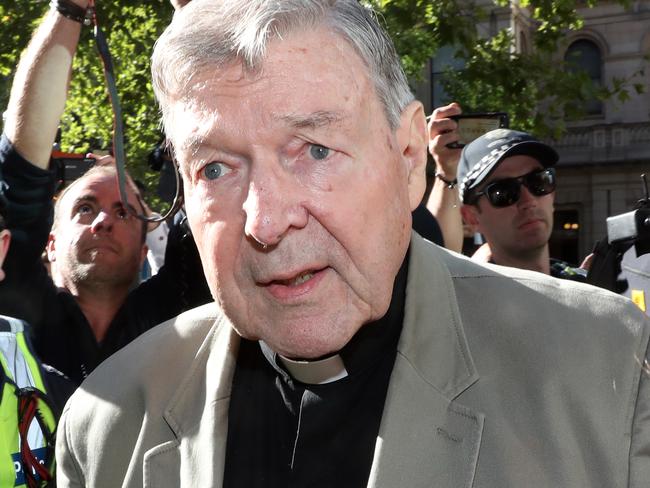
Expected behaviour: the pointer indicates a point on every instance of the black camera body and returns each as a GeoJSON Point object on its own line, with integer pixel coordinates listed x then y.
{"type": "Point", "coordinates": [632, 227]}
{"type": "Point", "coordinates": [622, 262]}
{"type": "Point", "coordinates": [68, 166]}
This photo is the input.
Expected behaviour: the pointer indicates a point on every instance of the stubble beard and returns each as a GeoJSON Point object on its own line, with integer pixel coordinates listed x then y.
{"type": "Point", "coordinates": [97, 275]}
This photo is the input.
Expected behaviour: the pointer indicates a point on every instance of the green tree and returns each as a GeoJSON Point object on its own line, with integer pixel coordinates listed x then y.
{"type": "Point", "coordinates": [131, 28]}
{"type": "Point", "coordinates": [538, 90]}
{"type": "Point", "coordinates": [534, 88]}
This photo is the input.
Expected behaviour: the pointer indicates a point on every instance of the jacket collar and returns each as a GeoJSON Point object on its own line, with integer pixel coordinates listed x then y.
{"type": "Point", "coordinates": [421, 423]}
{"type": "Point", "coordinates": [433, 339]}
{"type": "Point", "coordinates": [197, 416]}
{"type": "Point", "coordinates": [424, 432]}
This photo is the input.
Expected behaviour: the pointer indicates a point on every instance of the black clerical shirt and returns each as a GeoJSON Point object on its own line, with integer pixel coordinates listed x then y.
{"type": "Point", "coordinates": [284, 433]}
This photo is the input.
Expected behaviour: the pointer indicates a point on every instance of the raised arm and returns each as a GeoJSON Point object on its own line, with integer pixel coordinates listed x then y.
{"type": "Point", "coordinates": [39, 90]}
{"type": "Point", "coordinates": [443, 201]}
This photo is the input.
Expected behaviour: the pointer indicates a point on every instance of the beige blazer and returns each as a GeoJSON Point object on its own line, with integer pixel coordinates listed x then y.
{"type": "Point", "coordinates": [503, 378]}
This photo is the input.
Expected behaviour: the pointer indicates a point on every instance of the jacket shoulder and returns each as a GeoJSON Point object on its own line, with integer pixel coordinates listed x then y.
{"type": "Point", "coordinates": [145, 373]}
{"type": "Point", "coordinates": [121, 404]}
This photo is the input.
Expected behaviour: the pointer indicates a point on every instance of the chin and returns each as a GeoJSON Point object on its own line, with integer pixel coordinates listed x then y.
{"type": "Point", "coordinates": [309, 347]}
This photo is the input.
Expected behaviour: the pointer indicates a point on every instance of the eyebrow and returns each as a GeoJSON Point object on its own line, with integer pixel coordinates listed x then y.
{"type": "Point", "coordinates": [84, 199]}
{"type": "Point", "coordinates": [193, 143]}
{"type": "Point", "coordinates": [315, 120]}
{"type": "Point", "coordinates": [93, 199]}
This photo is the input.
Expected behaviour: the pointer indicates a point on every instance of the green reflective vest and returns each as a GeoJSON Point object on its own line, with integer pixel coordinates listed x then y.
{"type": "Point", "coordinates": [20, 369]}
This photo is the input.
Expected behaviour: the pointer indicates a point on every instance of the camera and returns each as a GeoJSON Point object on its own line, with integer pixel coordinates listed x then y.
{"type": "Point", "coordinates": [472, 126]}
{"type": "Point", "coordinates": [632, 227]}
{"type": "Point", "coordinates": [69, 166]}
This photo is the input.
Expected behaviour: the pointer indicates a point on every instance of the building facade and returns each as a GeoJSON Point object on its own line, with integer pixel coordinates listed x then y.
{"type": "Point", "coordinates": [602, 155]}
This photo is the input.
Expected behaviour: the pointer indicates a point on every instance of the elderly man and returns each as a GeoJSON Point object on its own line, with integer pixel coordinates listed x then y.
{"type": "Point", "coordinates": [342, 349]}
{"type": "Point", "coordinates": [91, 306]}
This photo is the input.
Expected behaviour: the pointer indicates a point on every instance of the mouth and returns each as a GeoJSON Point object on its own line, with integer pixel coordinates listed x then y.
{"type": "Point", "coordinates": [296, 280]}
{"type": "Point", "coordinates": [95, 248]}
{"type": "Point", "coordinates": [530, 223]}
{"type": "Point", "coordinates": [292, 286]}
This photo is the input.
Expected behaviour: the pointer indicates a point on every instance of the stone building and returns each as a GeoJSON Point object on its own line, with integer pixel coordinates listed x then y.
{"type": "Point", "coordinates": [602, 155]}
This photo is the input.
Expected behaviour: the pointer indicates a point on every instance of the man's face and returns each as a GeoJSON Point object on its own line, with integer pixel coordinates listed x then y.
{"type": "Point", "coordinates": [521, 229]}
{"type": "Point", "coordinates": [300, 159]}
{"type": "Point", "coordinates": [95, 239]}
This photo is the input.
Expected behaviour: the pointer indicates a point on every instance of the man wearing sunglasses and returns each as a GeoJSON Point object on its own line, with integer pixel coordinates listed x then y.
{"type": "Point", "coordinates": [507, 186]}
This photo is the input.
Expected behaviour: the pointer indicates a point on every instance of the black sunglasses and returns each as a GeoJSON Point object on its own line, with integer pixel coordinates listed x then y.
{"type": "Point", "coordinates": [506, 192]}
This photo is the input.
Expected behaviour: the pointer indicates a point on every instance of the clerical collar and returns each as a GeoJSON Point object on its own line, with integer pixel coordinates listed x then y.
{"type": "Point", "coordinates": [361, 353]}
{"type": "Point", "coordinates": [319, 372]}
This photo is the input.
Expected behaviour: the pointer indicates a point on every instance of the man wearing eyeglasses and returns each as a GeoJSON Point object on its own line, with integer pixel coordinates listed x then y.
{"type": "Point", "coordinates": [507, 186]}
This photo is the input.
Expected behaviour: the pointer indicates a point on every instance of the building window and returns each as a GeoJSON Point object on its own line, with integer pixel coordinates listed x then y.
{"type": "Point", "coordinates": [585, 55]}
{"type": "Point", "coordinates": [443, 60]}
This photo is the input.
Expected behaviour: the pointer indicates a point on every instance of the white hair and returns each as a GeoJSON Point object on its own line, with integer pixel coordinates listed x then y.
{"type": "Point", "coordinates": [215, 33]}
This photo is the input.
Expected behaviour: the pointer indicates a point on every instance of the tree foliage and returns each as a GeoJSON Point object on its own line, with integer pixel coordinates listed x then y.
{"type": "Point", "coordinates": [535, 88]}
{"type": "Point", "coordinates": [538, 89]}
{"type": "Point", "coordinates": [131, 28]}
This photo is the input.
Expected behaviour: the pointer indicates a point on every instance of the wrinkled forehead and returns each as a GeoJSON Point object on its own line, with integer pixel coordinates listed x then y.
{"type": "Point", "coordinates": [102, 188]}
{"type": "Point", "coordinates": [285, 83]}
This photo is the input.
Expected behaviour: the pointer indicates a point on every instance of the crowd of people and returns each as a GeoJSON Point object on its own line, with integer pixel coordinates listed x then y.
{"type": "Point", "coordinates": [301, 331]}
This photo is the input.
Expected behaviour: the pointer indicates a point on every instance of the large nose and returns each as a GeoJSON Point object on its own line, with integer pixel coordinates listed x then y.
{"type": "Point", "coordinates": [103, 222]}
{"type": "Point", "coordinates": [275, 203]}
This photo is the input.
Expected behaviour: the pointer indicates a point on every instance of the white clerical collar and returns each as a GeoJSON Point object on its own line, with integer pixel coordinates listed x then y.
{"type": "Point", "coordinates": [319, 372]}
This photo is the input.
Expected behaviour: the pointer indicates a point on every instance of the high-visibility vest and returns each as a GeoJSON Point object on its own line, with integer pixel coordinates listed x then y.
{"type": "Point", "coordinates": [20, 369]}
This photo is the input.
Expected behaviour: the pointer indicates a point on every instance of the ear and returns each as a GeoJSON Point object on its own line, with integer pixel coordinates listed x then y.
{"type": "Point", "coordinates": [412, 139]}
{"type": "Point", "coordinates": [51, 248]}
{"type": "Point", "coordinates": [5, 238]}
{"type": "Point", "coordinates": [470, 215]}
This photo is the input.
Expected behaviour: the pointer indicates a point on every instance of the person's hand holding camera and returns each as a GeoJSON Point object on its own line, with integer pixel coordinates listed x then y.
{"type": "Point", "coordinates": [442, 132]}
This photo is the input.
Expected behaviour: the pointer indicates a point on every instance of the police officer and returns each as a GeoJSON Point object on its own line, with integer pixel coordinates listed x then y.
{"type": "Point", "coordinates": [31, 398]}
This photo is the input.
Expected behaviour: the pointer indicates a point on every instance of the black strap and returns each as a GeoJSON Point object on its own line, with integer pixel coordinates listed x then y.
{"type": "Point", "coordinates": [450, 183]}
{"type": "Point", "coordinates": [118, 127]}
{"type": "Point", "coordinates": [71, 10]}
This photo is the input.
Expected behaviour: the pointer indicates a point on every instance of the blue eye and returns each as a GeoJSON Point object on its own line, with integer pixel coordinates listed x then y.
{"type": "Point", "coordinates": [214, 170]}
{"type": "Point", "coordinates": [318, 152]}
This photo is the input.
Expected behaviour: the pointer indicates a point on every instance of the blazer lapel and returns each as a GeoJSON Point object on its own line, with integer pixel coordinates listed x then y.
{"type": "Point", "coordinates": [426, 438]}
{"type": "Point", "coordinates": [197, 417]}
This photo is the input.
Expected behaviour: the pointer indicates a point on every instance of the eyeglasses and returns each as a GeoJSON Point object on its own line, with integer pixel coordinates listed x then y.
{"type": "Point", "coordinates": [506, 192]}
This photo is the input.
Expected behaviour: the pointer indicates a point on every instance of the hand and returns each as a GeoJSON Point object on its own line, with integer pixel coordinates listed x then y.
{"type": "Point", "coordinates": [588, 261]}
{"type": "Point", "coordinates": [179, 4]}
{"type": "Point", "coordinates": [442, 131]}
